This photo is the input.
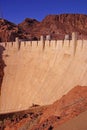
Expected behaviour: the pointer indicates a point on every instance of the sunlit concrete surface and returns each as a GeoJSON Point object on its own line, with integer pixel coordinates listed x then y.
{"type": "Point", "coordinates": [41, 72]}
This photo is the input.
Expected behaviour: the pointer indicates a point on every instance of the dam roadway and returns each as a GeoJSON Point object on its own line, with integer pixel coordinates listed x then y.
{"type": "Point", "coordinates": [37, 74]}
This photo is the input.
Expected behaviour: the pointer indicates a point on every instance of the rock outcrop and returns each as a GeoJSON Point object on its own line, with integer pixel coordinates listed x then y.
{"type": "Point", "coordinates": [29, 26]}
{"type": "Point", "coordinates": [9, 30]}
{"type": "Point", "coordinates": [48, 117]}
{"type": "Point", "coordinates": [55, 25]}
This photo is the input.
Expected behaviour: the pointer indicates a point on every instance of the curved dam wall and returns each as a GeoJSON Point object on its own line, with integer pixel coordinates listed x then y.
{"type": "Point", "coordinates": [41, 72]}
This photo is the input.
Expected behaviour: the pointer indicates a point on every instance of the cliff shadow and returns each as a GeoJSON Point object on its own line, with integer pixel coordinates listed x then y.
{"type": "Point", "coordinates": [2, 66]}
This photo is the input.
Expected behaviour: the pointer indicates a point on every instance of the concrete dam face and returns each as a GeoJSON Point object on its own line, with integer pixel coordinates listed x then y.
{"type": "Point", "coordinates": [41, 72]}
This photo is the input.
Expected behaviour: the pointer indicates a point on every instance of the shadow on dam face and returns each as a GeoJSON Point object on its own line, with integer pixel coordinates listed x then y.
{"type": "Point", "coordinates": [2, 65]}
{"type": "Point", "coordinates": [36, 76]}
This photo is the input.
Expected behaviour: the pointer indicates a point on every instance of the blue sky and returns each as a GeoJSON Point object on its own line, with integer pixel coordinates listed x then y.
{"type": "Point", "coordinates": [17, 10]}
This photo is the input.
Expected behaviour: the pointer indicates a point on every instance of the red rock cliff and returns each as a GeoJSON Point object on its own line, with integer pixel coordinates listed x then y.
{"type": "Point", "coordinates": [55, 25]}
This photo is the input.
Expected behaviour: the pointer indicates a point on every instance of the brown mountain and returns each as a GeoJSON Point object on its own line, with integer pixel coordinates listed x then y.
{"type": "Point", "coordinates": [55, 25]}
{"type": "Point", "coordinates": [9, 30]}
{"type": "Point", "coordinates": [29, 26]}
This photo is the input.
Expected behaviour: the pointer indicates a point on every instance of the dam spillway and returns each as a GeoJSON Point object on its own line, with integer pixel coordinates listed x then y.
{"type": "Point", "coordinates": [40, 72]}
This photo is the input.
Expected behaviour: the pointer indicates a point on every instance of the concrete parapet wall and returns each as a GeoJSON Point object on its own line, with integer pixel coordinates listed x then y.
{"type": "Point", "coordinates": [40, 72]}
{"type": "Point", "coordinates": [67, 45]}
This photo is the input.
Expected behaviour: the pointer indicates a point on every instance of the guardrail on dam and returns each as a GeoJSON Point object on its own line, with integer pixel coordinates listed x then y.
{"type": "Point", "coordinates": [40, 72]}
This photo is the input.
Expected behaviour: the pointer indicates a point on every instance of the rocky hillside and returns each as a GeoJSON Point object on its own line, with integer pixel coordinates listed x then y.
{"type": "Point", "coordinates": [29, 27]}
{"type": "Point", "coordinates": [55, 25]}
{"type": "Point", "coordinates": [9, 30]}
{"type": "Point", "coordinates": [48, 117]}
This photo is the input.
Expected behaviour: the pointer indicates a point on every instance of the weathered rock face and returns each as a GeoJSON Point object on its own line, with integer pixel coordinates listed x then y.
{"type": "Point", "coordinates": [55, 25]}
{"type": "Point", "coordinates": [29, 26]}
{"type": "Point", "coordinates": [8, 31]}
{"type": "Point", "coordinates": [48, 117]}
